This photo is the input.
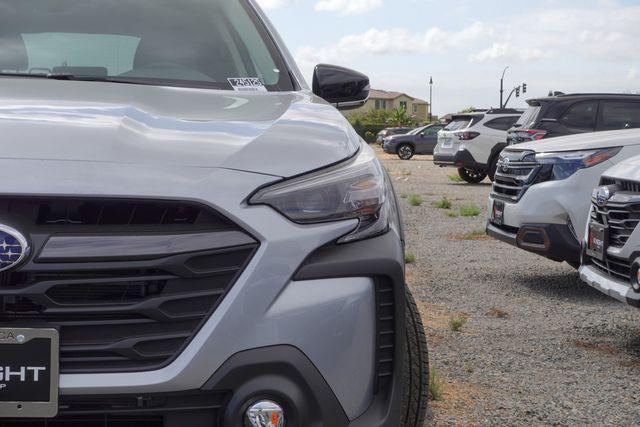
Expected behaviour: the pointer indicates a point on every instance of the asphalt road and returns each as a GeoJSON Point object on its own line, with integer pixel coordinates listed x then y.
{"type": "Point", "coordinates": [536, 346]}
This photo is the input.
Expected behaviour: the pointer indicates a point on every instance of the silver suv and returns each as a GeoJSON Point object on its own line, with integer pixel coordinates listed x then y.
{"type": "Point", "coordinates": [190, 235]}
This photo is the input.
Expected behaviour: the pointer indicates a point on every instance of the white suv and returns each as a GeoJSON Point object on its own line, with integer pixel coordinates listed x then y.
{"type": "Point", "coordinates": [611, 261]}
{"type": "Point", "coordinates": [473, 141]}
{"type": "Point", "coordinates": [542, 190]}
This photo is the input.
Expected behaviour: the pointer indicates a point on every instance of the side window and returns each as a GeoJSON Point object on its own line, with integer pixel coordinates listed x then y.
{"type": "Point", "coordinates": [501, 123]}
{"type": "Point", "coordinates": [581, 115]}
{"type": "Point", "coordinates": [432, 130]}
{"type": "Point", "coordinates": [619, 115]}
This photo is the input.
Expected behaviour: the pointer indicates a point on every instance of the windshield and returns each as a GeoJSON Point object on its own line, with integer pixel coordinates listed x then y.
{"type": "Point", "coordinates": [215, 43]}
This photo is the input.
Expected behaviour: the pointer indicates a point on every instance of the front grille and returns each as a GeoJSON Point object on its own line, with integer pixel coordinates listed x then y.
{"type": "Point", "coordinates": [513, 176]}
{"type": "Point", "coordinates": [615, 267]}
{"type": "Point", "coordinates": [621, 215]}
{"type": "Point", "coordinates": [116, 313]}
{"type": "Point", "coordinates": [620, 218]}
{"type": "Point", "coordinates": [153, 410]}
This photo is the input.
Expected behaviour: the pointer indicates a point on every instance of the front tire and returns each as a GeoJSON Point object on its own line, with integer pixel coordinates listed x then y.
{"type": "Point", "coordinates": [406, 151]}
{"type": "Point", "coordinates": [472, 176]}
{"type": "Point", "coordinates": [415, 378]}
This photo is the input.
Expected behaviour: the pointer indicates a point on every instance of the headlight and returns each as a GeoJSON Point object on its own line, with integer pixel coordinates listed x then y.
{"type": "Point", "coordinates": [561, 165]}
{"type": "Point", "coordinates": [356, 189]}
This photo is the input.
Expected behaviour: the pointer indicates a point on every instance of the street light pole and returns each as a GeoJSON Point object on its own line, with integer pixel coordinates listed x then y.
{"type": "Point", "coordinates": [502, 85]}
{"type": "Point", "coordinates": [430, 99]}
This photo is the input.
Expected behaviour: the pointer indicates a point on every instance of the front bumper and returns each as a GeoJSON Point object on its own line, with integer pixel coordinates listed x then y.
{"type": "Point", "coordinates": [553, 241]}
{"type": "Point", "coordinates": [461, 159]}
{"type": "Point", "coordinates": [617, 289]}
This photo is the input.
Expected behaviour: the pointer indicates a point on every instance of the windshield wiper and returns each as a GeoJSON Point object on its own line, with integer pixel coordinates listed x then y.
{"type": "Point", "coordinates": [108, 79]}
{"type": "Point", "coordinates": [74, 77]}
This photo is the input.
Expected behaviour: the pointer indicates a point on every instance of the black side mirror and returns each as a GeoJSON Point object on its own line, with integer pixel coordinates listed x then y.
{"type": "Point", "coordinates": [344, 88]}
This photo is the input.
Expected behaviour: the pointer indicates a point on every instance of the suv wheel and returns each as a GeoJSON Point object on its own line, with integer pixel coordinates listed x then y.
{"type": "Point", "coordinates": [415, 378]}
{"type": "Point", "coordinates": [493, 166]}
{"type": "Point", "coordinates": [405, 151]}
{"type": "Point", "coordinates": [472, 176]}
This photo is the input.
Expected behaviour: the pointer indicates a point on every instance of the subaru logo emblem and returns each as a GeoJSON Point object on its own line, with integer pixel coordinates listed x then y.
{"type": "Point", "coordinates": [602, 195]}
{"type": "Point", "coordinates": [505, 164]}
{"type": "Point", "coordinates": [13, 247]}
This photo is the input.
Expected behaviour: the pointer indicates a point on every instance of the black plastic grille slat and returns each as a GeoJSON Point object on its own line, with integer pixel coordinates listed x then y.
{"type": "Point", "coordinates": [112, 212]}
{"type": "Point", "coordinates": [385, 332]}
{"type": "Point", "coordinates": [201, 408]}
{"type": "Point", "coordinates": [118, 316]}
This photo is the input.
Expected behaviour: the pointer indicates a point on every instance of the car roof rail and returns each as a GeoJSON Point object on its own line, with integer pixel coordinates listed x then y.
{"type": "Point", "coordinates": [505, 111]}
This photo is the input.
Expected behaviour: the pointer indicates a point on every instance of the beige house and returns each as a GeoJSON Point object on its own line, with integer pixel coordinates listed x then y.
{"type": "Point", "coordinates": [385, 100]}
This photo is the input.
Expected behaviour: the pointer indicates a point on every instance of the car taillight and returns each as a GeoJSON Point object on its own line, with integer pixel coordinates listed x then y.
{"type": "Point", "coordinates": [466, 136]}
{"type": "Point", "coordinates": [535, 134]}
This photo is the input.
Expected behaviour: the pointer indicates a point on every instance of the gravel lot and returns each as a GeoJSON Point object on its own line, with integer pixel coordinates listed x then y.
{"type": "Point", "coordinates": [538, 347]}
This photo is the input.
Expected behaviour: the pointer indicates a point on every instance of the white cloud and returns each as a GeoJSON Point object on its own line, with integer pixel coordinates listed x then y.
{"type": "Point", "coordinates": [632, 74]}
{"type": "Point", "coordinates": [393, 41]}
{"type": "Point", "coordinates": [347, 7]}
{"type": "Point", "coordinates": [506, 52]}
{"type": "Point", "coordinates": [272, 4]}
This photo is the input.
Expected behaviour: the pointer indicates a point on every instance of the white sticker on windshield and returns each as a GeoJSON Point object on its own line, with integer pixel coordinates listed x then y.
{"type": "Point", "coordinates": [247, 84]}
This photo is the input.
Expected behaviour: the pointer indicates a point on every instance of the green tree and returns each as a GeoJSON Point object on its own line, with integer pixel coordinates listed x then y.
{"type": "Point", "coordinates": [400, 117]}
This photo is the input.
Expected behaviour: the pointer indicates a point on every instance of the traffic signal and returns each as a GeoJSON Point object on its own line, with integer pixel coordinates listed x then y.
{"type": "Point", "coordinates": [517, 91]}
{"type": "Point", "coordinates": [524, 88]}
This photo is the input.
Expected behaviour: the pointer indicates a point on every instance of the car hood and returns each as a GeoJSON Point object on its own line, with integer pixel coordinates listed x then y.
{"type": "Point", "coordinates": [281, 134]}
{"type": "Point", "coordinates": [584, 141]}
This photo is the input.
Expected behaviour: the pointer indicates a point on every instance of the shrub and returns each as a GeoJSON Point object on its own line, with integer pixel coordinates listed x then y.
{"type": "Point", "coordinates": [409, 257]}
{"type": "Point", "coordinates": [470, 210]}
{"type": "Point", "coordinates": [435, 385]}
{"type": "Point", "coordinates": [443, 203]}
{"type": "Point", "coordinates": [414, 200]}
{"type": "Point", "coordinates": [454, 177]}
{"type": "Point", "coordinates": [457, 322]}
{"type": "Point", "coordinates": [452, 214]}
{"type": "Point", "coordinates": [369, 136]}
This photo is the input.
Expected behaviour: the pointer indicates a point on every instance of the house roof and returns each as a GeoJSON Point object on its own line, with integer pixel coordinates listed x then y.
{"type": "Point", "coordinates": [390, 95]}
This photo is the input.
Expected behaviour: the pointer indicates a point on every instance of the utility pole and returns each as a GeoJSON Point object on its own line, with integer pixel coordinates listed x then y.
{"type": "Point", "coordinates": [502, 85]}
{"type": "Point", "coordinates": [430, 99]}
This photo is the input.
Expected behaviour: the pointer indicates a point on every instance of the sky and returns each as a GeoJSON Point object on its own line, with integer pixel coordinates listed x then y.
{"type": "Point", "coordinates": [564, 45]}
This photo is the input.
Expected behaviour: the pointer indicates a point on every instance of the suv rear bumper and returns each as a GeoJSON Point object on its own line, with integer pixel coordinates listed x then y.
{"type": "Point", "coordinates": [553, 241]}
{"type": "Point", "coordinates": [615, 288]}
{"type": "Point", "coordinates": [461, 159]}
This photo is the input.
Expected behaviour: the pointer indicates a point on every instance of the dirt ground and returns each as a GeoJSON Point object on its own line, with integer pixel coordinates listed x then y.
{"type": "Point", "coordinates": [532, 344]}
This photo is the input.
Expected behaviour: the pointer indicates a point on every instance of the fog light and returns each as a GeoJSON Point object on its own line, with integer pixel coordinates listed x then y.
{"type": "Point", "coordinates": [635, 275]}
{"type": "Point", "coordinates": [264, 413]}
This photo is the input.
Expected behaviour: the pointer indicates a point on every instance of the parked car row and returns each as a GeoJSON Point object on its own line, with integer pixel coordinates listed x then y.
{"type": "Point", "coordinates": [575, 198]}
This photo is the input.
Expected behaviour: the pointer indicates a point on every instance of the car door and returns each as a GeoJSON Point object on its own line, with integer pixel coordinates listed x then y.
{"type": "Point", "coordinates": [428, 138]}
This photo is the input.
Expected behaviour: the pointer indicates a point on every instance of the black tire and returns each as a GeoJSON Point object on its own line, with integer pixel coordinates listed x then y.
{"type": "Point", "coordinates": [415, 378]}
{"type": "Point", "coordinates": [493, 166]}
{"type": "Point", "coordinates": [472, 176]}
{"type": "Point", "coordinates": [406, 151]}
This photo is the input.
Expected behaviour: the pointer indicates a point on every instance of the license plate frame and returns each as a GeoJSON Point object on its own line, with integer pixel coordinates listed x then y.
{"type": "Point", "coordinates": [596, 245]}
{"type": "Point", "coordinates": [497, 212]}
{"type": "Point", "coordinates": [24, 351]}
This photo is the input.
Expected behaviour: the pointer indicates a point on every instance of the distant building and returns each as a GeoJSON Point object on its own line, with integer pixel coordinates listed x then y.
{"type": "Point", "coordinates": [385, 100]}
